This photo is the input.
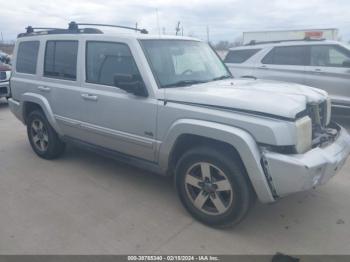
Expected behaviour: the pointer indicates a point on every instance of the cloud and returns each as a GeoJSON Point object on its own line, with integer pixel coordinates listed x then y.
{"type": "Point", "coordinates": [226, 19]}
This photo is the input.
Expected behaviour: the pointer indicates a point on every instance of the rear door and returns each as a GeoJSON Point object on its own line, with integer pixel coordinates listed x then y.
{"type": "Point", "coordinates": [61, 84]}
{"type": "Point", "coordinates": [328, 69]}
{"type": "Point", "coordinates": [283, 63]}
{"type": "Point", "coordinates": [240, 62]}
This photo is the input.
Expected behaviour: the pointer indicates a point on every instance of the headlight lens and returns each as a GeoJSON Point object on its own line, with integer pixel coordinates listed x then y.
{"type": "Point", "coordinates": [303, 134]}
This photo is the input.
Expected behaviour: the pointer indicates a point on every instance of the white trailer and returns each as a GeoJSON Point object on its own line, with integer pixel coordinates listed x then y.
{"type": "Point", "coordinates": [265, 36]}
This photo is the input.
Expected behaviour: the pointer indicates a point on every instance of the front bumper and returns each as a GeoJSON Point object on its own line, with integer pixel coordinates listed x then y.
{"type": "Point", "coordinates": [4, 89]}
{"type": "Point", "coordinates": [294, 173]}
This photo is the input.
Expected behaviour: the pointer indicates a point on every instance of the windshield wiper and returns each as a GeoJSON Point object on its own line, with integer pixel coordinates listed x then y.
{"type": "Point", "coordinates": [221, 77]}
{"type": "Point", "coordinates": [184, 83]}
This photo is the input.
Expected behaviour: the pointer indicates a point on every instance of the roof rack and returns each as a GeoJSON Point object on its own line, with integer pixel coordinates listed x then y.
{"type": "Point", "coordinates": [73, 28]}
{"type": "Point", "coordinates": [253, 42]}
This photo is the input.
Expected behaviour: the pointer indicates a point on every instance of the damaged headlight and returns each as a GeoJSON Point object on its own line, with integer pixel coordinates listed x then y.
{"type": "Point", "coordinates": [303, 134]}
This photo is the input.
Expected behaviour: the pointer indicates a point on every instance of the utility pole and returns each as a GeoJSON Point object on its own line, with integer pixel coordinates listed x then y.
{"type": "Point", "coordinates": [177, 29]}
{"type": "Point", "coordinates": [158, 21]}
{"type": "Point", "coordinates": [208, 38]}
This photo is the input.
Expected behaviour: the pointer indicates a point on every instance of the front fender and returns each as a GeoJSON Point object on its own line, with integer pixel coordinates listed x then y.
{"type": "Point", "coordinates": [45, 106]}
{"type": "Point", "coordinates": [241, 140]}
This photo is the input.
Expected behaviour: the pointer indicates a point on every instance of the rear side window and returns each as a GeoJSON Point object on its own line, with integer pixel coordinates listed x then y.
{"type": "Point", "coordinates": [240, 56]}
{"type": "Point", "coordinates": [27, 57]}
{"type": "Point", "coordinates": [328, 56]}
{"type": "Point", "coordinates": [61, 59]}
{"type": "Point", "coordinates": [104, 60]}
{"type": "Point", "coordinates": [286, 55]}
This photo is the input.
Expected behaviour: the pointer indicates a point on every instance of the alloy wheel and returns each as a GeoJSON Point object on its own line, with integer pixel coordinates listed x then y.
{"type": "Point", "coordinates": [39, 135]}
{"type": "Point", "coordinates": [208, 188]}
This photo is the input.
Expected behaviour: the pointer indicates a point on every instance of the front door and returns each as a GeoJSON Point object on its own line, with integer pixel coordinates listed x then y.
{"type": "Point", "coordinates": [113, 118]}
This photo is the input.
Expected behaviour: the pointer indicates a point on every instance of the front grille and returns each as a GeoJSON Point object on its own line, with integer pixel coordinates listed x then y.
{"type": "Point", "coordinates": [323, 113]}
{"type": "Point", "coordinates": [2, 75]}
{"type": "Point", "coordinates": [318, 114]}
{"type": "Point", "coordinates": [3, 90]}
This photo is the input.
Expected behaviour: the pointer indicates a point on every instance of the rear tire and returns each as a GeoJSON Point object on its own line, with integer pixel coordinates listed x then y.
{"type": "Point", "coordinates": [213, 186]}
{"type": "Point", "coordinates": [42, 137]}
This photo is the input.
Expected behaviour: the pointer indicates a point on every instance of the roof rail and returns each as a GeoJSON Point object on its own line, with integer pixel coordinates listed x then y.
{"type": "Point", "coordinates": [73, 28]}
{"type": "Point", "coordinates": [253, 42]}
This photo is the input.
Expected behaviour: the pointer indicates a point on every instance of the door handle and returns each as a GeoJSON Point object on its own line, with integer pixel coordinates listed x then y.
{"type": "Point", "coordinates": [89, 97]}
{"type": "Point", "coordinates": [44, 88]}
{"type": "Point", "coordinates": [263, 67]}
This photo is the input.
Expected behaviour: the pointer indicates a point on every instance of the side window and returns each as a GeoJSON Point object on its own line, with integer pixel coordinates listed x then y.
{"type": "Point", "coordinates": [240, 56]}
{"type": "Point", "coordinates": [27, 57]}
{"type": "Point", "coordinates": [286, 55]}
{"type": "Point", "coordinates": [328, 56]}
{"type": "Point", "coordinates": [61, 59]}
{"type": "Point", "coordinates": [104, 60]}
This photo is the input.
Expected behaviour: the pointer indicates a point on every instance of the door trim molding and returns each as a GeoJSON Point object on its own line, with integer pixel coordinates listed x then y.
{"type": "Point", "coordinates": [123, 136]}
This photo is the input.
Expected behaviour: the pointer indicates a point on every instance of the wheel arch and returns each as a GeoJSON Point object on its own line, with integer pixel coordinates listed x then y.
{"type": "Point", "coordinates": [32, 101]}
{"type": "Point", "coordinates": [184, 133]}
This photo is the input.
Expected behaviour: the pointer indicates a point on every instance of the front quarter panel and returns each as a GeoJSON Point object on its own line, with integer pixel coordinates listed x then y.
{"type": "Point", "coordinates": [242, 141]}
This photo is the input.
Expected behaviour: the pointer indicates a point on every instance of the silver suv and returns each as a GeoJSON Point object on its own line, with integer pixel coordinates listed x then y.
{"type": "Point", "coordinates": [169, 105]}
{"type": "Point", "coordinates": [322, 64]}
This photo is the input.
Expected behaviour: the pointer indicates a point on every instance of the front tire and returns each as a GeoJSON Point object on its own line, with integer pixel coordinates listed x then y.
{"type": "Point", "coordinates": [42, 137]}
{"type": "Point", "coordinates": [213, 187]}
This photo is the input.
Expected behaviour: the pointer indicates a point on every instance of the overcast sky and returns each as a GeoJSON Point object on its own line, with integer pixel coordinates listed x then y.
{"type": "Point", "coordinates": [227, 19]}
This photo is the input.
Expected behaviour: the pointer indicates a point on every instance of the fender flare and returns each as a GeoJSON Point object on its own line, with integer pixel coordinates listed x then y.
{"type": "Point", "coordinates": [45, 106]}
{"type": "Point", "coordinates": [240, 139]}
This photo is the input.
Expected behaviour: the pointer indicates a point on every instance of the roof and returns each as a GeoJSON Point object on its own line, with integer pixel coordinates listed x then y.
{"type": "Point", "coordinates": [284, 43]}
{"type": "Point", "coordinates": [110, 35]}
{"type": "Point", "coordinates": [74, 30]}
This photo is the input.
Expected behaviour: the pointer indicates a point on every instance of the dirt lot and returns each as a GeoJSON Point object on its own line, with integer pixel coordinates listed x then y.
{"type": "Point", "coordinates": [83, 203]}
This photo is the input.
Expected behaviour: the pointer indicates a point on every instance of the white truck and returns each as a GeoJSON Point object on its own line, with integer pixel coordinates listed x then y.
{"type": "Point", "coordinates": [264, 36]}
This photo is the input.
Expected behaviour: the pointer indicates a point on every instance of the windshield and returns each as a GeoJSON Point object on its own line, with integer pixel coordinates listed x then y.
{"type": "Point", "coordinates": [183, 62]}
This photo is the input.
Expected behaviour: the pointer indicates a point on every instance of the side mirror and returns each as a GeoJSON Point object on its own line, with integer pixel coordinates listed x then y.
{"type": "Point", "coordinates": [130, 84]}
{"type": "Point", "coordinates": [346, 63]}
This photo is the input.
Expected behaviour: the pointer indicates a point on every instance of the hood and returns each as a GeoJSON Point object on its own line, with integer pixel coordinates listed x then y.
{"type": "Point", "coordinates": [273, 98]}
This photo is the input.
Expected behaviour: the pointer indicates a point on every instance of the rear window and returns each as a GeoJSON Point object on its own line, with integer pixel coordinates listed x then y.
{"type": "Point", "coordinates": [240, 56]}
{"type": "Point", "coordinates": [286, 55]}
{"type": "Point", "coordinates": [27, 57]}
{"type": "Point", "coordinates": [61, 59]}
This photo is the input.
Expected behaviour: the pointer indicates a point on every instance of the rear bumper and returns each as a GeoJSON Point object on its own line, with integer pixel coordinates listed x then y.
{"type": "Point", "coordinates": [294, 173]}
{"type": "Point", "coordinates": [4, 89]}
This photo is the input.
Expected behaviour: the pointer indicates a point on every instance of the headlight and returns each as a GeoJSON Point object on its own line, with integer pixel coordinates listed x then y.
{"type": "Point", "coordinates": [303, 134]}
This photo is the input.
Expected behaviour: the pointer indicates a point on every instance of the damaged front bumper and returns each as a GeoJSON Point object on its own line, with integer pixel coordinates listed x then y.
{"type": "Point", "coordinates": [289, 174]}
